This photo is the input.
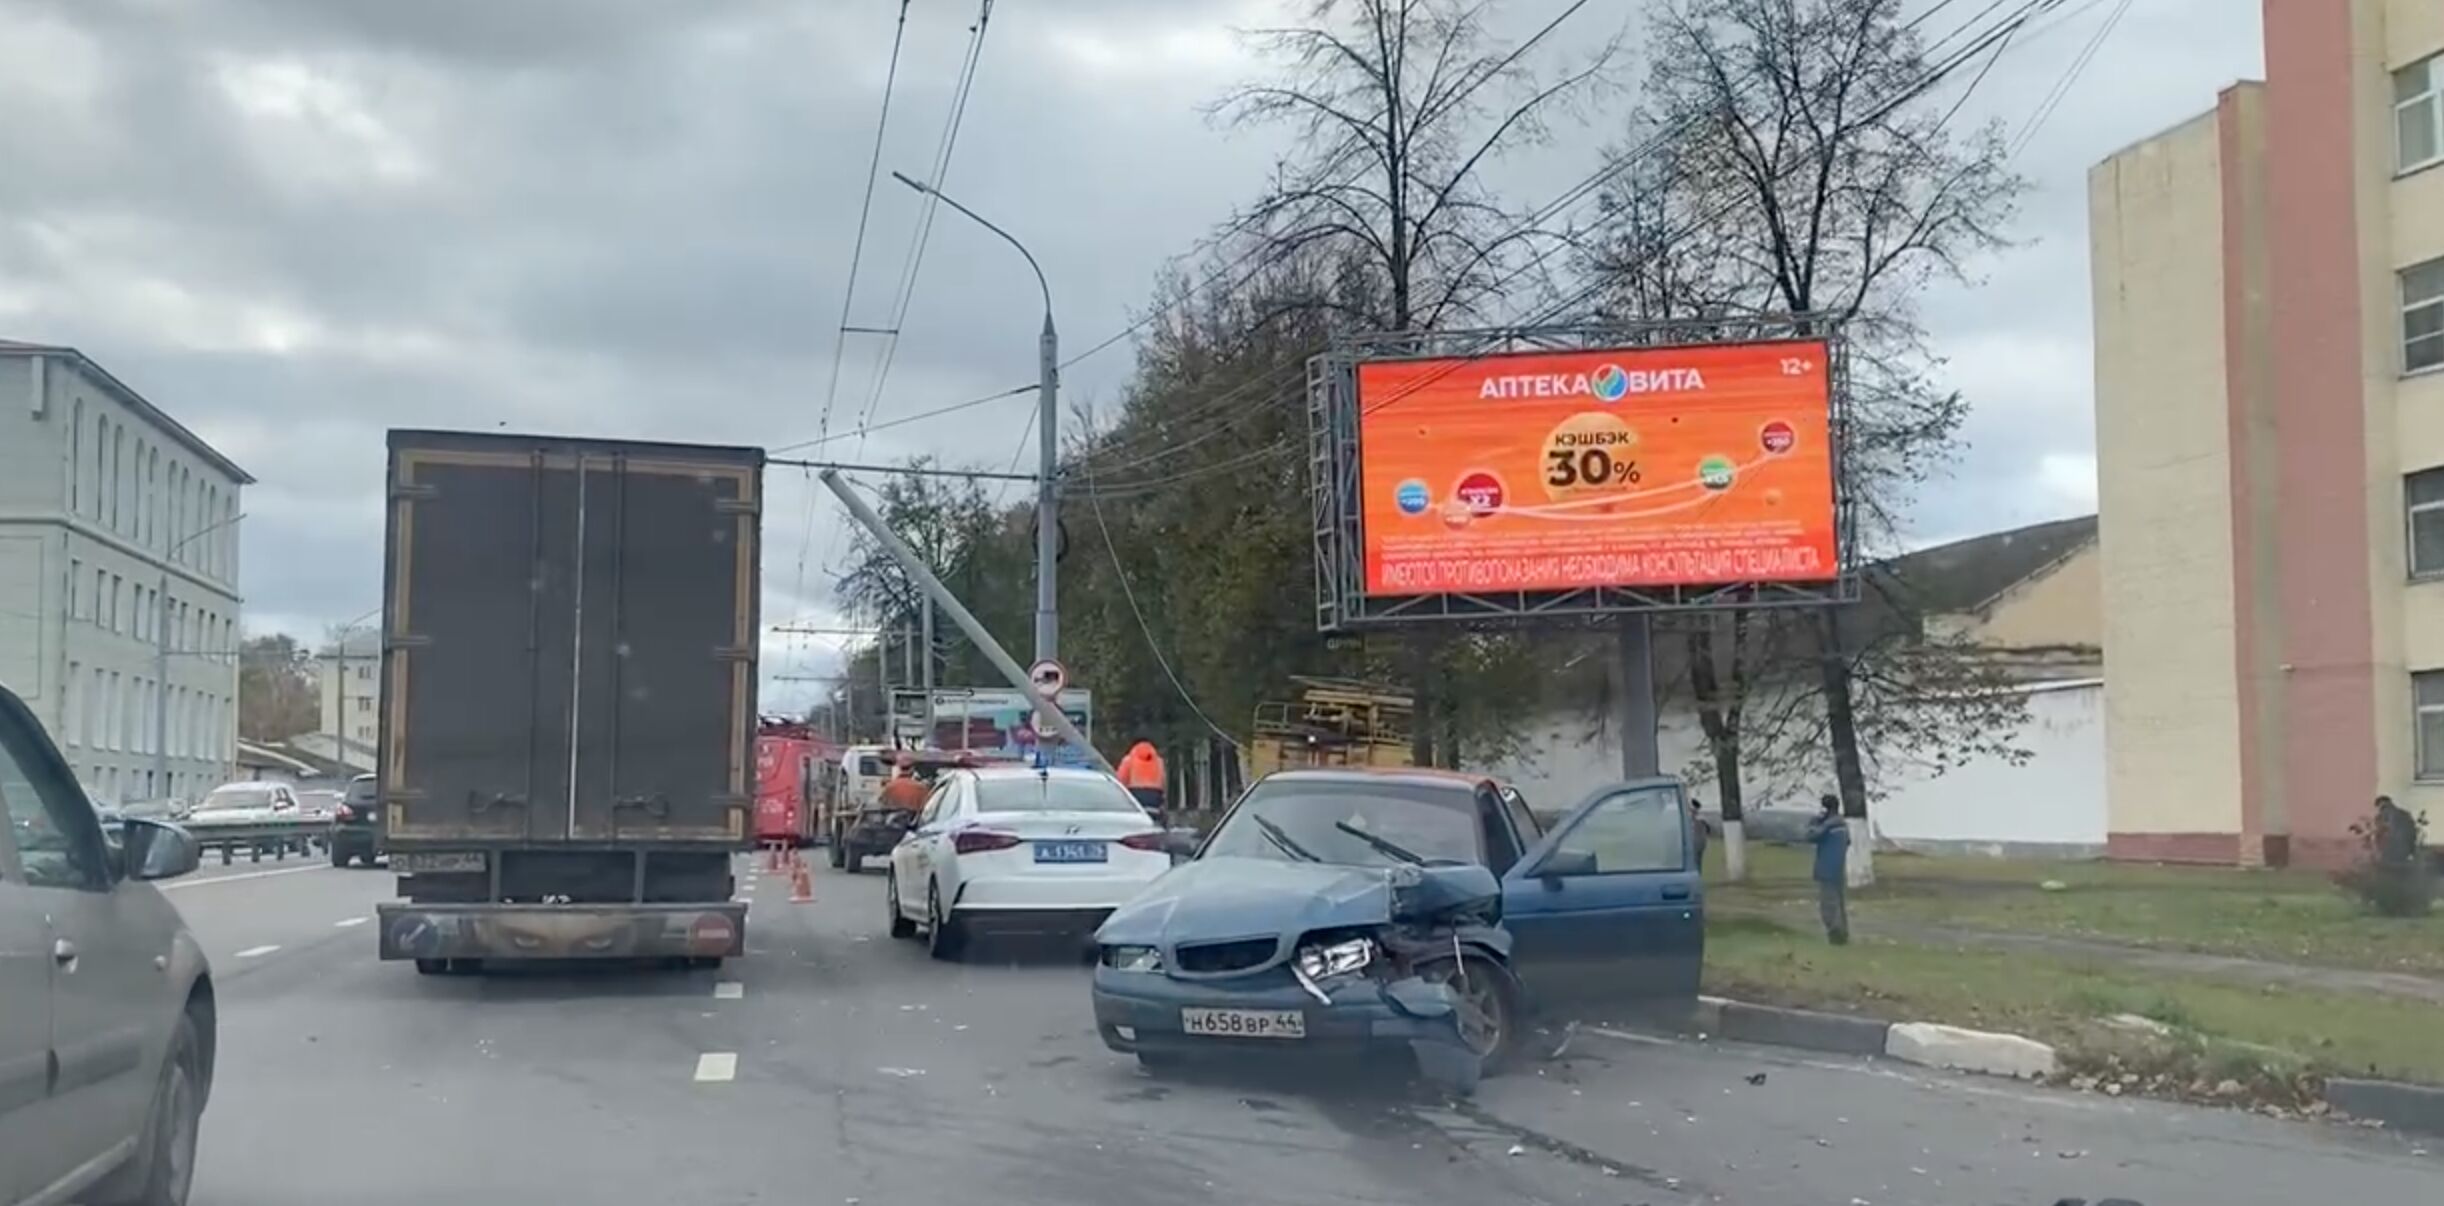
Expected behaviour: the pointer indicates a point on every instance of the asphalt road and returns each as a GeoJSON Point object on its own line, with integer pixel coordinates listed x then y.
{"type": "Point", "coordinates": [833, 1065]}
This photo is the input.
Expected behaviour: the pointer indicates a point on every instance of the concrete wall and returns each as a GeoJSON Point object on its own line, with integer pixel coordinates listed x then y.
{"type": "Point", "coordinates": [2054, 804]}
{"type": "Point", "coordinates": [2171, 701]}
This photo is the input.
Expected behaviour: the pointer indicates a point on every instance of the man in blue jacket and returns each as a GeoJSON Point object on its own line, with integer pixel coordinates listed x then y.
{"type": "Point", "coordinates": [1831, 837]}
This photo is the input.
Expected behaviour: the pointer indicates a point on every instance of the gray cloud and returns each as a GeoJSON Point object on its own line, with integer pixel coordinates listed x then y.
{"type": "Point", "coordinates": [294, 223]}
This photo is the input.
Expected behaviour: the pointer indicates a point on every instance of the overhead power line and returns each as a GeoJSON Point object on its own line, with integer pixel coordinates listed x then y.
{"type": "Point", "coordinates": [1120, 571]}
{"type": "Point", "coordinates": [932, 205]}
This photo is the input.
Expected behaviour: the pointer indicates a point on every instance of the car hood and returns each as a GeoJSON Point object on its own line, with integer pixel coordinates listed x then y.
{"type": "Point", "coordinates": [1215, 899]}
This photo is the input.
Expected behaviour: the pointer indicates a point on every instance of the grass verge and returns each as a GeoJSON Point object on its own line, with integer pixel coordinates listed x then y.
{"type": "Point", "coordinates": [2272, 1043]}
{"type": "Point", "coordinates": [2281, 915]}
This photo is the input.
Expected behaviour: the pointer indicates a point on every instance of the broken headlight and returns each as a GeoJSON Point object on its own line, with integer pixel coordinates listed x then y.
{"type": "Point", "coordinates": [1336, 959]}
{"type": "Point", "coordinates": [1133, 958]}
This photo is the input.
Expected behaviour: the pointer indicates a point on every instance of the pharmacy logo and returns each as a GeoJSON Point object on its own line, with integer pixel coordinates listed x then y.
{"type": "Point", "coordinates": [1609, 384]}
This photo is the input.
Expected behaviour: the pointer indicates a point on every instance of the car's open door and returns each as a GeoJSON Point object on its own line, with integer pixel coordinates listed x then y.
{"type": "Point", "coordinates": [1606, 912]}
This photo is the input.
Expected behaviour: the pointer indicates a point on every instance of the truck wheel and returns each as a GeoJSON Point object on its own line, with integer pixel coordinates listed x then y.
{"type": "Point", "coordinates": [432, 967]}
{"type": "Point", "coordinates": [338, 859]}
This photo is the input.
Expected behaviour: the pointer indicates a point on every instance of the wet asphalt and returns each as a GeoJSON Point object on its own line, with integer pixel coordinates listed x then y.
{"type": "Point", "coordinates": [834, 1065]}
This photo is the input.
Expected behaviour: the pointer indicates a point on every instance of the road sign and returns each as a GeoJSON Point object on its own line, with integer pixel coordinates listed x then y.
{"type": "Point", "coordinates": [1048, 676]}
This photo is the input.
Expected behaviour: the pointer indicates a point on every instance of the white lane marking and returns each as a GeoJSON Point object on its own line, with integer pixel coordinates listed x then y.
{"type": "Point", "coordinates": [253, 951]}
{"type": "Point", "coordinates": [729, 990]}
{"type": "Point", "coordinates": [176, 884]}
{"type": "Point", "coordinates": [345, 922]}
{"type": "Point", "coordinates": [717, 1066]}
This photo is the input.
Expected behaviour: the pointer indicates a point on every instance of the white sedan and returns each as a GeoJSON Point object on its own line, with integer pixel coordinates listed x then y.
{"type": "Point", "coordinates": [1017, 850]}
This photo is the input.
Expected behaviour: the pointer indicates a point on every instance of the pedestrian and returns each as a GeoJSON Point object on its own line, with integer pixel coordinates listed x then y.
{"type": "Point", "coordinates": [2397, 834]}
{"type": "Point", "coordinates": [1831, 837]}
{"type": "Point", "coordinates": [903, 792]}
{"type": "Point", "coordinates": [1697, 822]}
{"type": "Point", "coordinates": [1141, 771]}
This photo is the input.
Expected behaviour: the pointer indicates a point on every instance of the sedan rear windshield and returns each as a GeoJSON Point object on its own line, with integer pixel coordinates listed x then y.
{"type": "Point", "coordinates": [1352, 823]}
{"type": "Point", "coordinates": [360, 792]}
{"type": "Point", "coordinates": [1051, 793]}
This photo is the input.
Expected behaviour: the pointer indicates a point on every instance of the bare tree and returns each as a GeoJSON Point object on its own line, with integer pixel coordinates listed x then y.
{"type": "Point", "coordinates": [1401, 107]}
{"type": "Point", "coordinates": [1810, 159]}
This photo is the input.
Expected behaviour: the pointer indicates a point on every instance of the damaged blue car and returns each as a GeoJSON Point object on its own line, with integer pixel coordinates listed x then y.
{"type": "Point", "coordinates": [1358, 909]}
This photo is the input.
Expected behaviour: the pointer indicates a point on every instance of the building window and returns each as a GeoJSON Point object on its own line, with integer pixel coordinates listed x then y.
{"type": "Point", "coordinates": [2427, 703]}
{"type": "Point", "coordinates": [2423, 316]}
{"type": "Point", "coordinates": [76, 457]}
{"type": "Point", "coordinates": [2418, 113]}
{"type": "Point", "coordinates": [72, 697]}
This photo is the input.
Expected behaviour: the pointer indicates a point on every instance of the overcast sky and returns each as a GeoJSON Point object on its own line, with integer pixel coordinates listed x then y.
{"type": "Point", "coordinates": [295, 223]}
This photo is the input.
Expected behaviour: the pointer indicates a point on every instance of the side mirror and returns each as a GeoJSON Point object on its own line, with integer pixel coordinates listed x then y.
{"type": "Point", "coordinates": [157, 849]}
{"type": "Point", "coordinates": [1562, 864]}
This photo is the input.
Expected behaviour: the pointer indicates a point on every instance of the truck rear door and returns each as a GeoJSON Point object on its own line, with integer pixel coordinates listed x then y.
{"type": "Point", "coordinates": [572, 640]}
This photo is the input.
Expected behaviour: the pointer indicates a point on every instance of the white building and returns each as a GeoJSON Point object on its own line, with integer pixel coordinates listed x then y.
{"type": "Point", "coordinates": [116, 523]}
{"type": "Point", "coordinates": [348, 676]}
{"type": "Point", "coordinates": [2029, 597]}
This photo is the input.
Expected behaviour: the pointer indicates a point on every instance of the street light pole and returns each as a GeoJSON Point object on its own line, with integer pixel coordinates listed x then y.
{"type": "Point", "coordinates": [339, 650]}
{"type": "Point", "coordinates": [1048, 403]}
{"type": "Point", "coordinates": [161, 656]}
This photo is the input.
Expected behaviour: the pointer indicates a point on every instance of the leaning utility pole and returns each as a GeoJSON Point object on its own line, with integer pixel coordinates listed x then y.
{"type": "Point", "coordinates": [1046, 709]}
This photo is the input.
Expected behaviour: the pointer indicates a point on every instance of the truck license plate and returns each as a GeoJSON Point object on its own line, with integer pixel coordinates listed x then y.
{"type": "Point", "coordinates": [437, 861]}
{"type": "Point", "coordinates": [1245, 1023]}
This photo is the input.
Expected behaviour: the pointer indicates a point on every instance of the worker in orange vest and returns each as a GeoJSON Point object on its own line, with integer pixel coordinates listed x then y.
{"type": "Point", "coordinates": [1142, 773]}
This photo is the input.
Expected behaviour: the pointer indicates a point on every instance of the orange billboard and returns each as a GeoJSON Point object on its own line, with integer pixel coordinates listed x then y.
{"type": "Point", "coordinates": [1650, 466]}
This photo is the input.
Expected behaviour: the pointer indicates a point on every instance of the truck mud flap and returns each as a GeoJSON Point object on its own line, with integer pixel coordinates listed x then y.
{"type": "Point", "coordinates": [617, 931]}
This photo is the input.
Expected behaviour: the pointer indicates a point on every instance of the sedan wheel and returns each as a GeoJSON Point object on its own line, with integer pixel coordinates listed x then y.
{"type": "Point", "coordinates": [164, 1168]}
{"type": "Point", "coordinates": [1488, 1001]}
{"type": "Point", "coordinates": [943, 939]}
{"type": "Point", "coordinates": [901, 927]}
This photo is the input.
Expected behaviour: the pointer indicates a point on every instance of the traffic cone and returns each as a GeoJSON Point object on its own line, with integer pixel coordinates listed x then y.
{"type": "Point", "coordinates": [801, 885]}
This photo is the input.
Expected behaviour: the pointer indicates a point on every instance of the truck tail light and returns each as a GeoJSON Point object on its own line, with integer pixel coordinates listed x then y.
{"type": "Point", "coordinates": [1150, 842]}
{"type": "Point", "coordinates": [977, 841]}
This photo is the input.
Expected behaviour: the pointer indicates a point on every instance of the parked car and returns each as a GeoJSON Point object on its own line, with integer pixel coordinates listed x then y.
{"type": "Point", "coordinates": [356, 823]}
{"type": "Point", "coordinates": [1014, 850]}
{"type": "Point", "coordinates": [106, 1004]}
{"type": "Point", "coordinates": [1353, 909]}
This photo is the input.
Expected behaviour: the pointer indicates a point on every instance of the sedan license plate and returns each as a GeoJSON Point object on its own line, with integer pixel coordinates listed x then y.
{"type": "Point", "coordinates": [1245, 1023]}
{"type": "Point", "coordinates": [1071, 852]}
{"type": "Point", "coordinates": [438, 862]}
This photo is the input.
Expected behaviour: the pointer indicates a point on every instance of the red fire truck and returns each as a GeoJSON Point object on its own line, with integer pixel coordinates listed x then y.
{"type": "Point", "coordinates": [790, 761]}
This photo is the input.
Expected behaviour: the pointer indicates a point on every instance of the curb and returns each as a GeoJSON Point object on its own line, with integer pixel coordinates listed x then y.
{"type": "Point", "coordinates": [1924, 1043]}
{"type": "Point", "coordinates": [1839, 1033]}
{"type": "Point", "coordinates": [2398, 1105]}
{"type": "Point", "coordinates": [1993, 1054]}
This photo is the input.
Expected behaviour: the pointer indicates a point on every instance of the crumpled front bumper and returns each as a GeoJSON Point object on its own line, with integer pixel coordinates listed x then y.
{"type": "Point", "coordinates": [412, 930]}
{"type": "Point", "coordinates": [1140, 1011]}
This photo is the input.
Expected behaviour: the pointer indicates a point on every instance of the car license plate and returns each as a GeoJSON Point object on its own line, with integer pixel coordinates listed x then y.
{"type": "Point", "coordinates": [1245, 1023]}
{"type": "Point", "coordinates": [1071, 852]}
{"type": "Point", "coordinates": [438, 861]}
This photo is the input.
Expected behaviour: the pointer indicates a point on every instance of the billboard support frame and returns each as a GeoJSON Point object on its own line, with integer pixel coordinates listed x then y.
{"type": "Point", "coordinates": [1342, 603]}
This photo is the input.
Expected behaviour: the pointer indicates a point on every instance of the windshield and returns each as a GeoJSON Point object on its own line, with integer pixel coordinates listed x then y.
{"type": "Point", "coordinates": [360, 792]}
{"type": "Point", "coordinates": [230, 799]}
{"type": "Point", "coordinates": [1355, 823]}
{"type": "Point", "coordinates": [1051, 793]}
